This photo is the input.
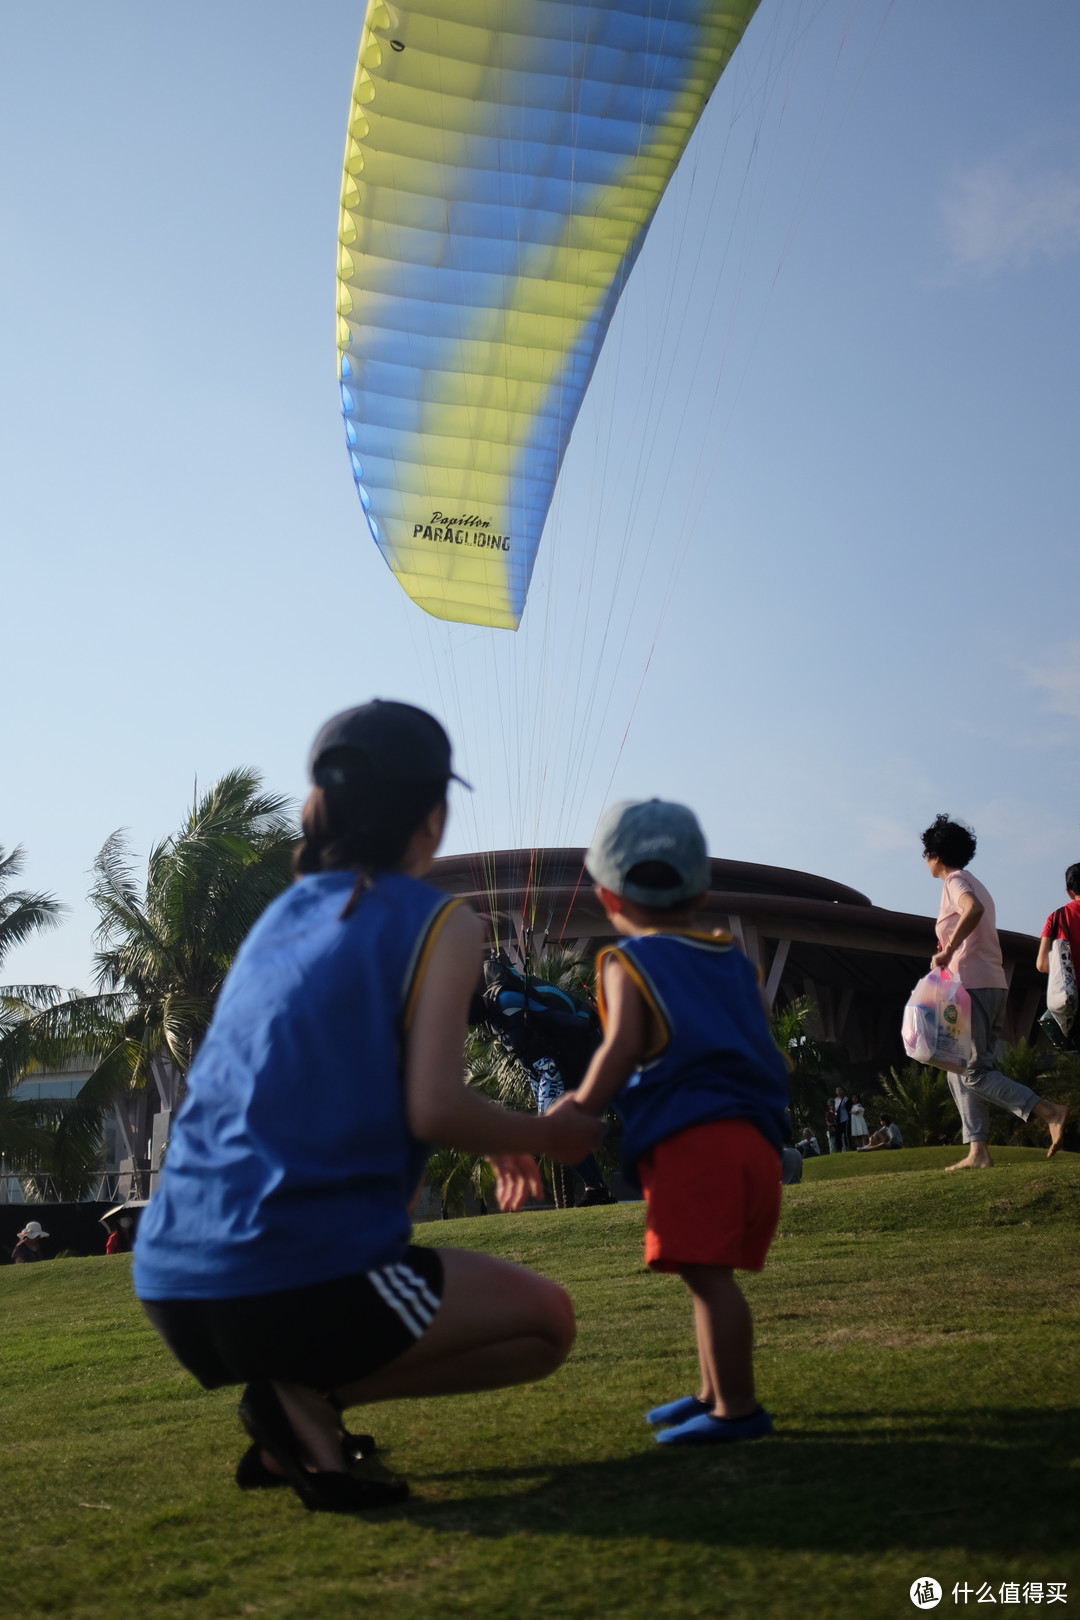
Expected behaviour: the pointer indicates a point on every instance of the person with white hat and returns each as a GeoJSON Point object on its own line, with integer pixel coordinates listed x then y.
{"type": "Point", "coordinates": [29, 1245]}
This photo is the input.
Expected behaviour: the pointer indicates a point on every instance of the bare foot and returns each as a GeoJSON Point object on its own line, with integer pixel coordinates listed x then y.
{"type": "Point", "coordinates": [978, 1159]}
{"type": "Point", "coordinates": [1056, 1122]}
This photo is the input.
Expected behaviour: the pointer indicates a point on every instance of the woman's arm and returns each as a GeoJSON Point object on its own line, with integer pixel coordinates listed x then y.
{"type": "Point", "coordinates": [1042, 961]}
{"type": "Point", "coordinates": [440, 1106]}
{"type": "Point", "coordinates": [971, 910]}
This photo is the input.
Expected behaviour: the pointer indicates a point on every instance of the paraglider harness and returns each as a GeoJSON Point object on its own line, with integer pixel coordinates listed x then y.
{"type": "Point", "coordinates": [552, 1033]}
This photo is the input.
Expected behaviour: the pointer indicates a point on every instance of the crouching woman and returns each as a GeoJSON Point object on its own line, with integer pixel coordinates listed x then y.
{"type": "Point", "coordinates": [276, 1252]}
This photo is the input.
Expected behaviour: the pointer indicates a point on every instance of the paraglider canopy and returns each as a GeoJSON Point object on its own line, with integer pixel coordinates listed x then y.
{"type": "Point", "coordinates": [502, 167]}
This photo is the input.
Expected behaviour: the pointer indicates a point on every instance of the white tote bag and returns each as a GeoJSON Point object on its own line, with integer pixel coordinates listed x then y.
{"type": "Point", "coordinates": [1061, 985]}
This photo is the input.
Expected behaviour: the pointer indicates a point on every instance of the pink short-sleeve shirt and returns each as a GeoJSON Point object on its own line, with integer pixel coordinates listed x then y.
{"type": "Point", "coordinates": [977, 964]}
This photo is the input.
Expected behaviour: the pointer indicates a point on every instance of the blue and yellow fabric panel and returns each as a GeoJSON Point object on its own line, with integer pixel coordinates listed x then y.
{"type": "Point", "coordinates": [503, 162]}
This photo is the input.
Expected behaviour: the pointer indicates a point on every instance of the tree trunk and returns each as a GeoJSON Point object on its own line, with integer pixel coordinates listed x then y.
{"type": "Point", "coordinates": [562, 1186]}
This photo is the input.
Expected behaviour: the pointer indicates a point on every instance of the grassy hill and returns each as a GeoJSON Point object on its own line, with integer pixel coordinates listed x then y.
{"type": "Point", "coordinates": [842, 1166]}
{"type": "Point", "coordinates": [917, 1343]}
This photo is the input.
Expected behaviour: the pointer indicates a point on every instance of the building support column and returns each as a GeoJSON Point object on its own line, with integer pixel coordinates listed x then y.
{"type": "Point", "coordinates": [776, 971]}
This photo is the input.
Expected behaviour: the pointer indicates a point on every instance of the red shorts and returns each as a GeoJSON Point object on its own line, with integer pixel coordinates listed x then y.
{"type": "Point", "coordinates": [713, 1196]}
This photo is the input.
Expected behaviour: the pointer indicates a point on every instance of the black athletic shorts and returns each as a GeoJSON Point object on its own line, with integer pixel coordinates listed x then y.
{"type": "Point", "coordinates": [323, 1336]}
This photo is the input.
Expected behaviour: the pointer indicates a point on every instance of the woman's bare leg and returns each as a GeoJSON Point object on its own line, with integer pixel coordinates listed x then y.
{"type": "Point", "coordinates": [316, 1425]}
{"type": "Point", "coordinates": [498, 1324]}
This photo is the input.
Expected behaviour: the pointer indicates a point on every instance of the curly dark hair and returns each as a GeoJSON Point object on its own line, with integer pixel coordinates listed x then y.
{"type": "Point", "coordinates": [1072, 879]}
{"type": "Point", "coordinates": [952, 842]}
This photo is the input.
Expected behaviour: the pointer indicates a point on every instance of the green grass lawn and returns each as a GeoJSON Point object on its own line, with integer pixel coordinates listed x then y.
{"type": "Point", "coordinates": [917, 1343]}
{"type": "Point", "coordinates": [842, 1166]}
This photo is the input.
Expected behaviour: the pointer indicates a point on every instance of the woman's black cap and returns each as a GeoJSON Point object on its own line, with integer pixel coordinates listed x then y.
{"type": "Point", "coordinates": [394, 742]}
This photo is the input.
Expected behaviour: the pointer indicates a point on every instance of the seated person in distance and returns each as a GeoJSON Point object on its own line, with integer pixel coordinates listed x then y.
{"type": "Point", "coordinates": [887, 1135]}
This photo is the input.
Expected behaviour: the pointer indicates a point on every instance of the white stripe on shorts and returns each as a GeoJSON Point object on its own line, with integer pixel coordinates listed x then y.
{"type": "Point", "coordinates": [414, 1285]}
{"type": "Point", "coordinates": [383, 1285]}
{"type": "Point", "coordinates": [415, 1314]}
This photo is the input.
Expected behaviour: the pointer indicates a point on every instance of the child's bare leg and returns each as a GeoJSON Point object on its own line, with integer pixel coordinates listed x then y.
{"type": "Point", "coordinates": [706, 1389]}
{"type": "Point", "coordinates": [725, 1337]}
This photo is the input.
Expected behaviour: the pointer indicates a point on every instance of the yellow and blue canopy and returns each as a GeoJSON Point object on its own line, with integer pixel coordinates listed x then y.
{"type": "Point", "coordinates": [503, 163]}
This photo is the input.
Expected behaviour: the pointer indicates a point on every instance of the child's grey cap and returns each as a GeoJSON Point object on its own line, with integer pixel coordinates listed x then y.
{"type": "Point", "coordinates": [640, 830]}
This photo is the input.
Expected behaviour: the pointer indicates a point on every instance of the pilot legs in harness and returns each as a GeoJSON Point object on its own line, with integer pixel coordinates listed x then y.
{"type": "Point", "coordinates": [551, 1034]}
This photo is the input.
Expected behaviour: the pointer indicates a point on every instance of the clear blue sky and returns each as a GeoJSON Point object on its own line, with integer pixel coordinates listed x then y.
{"type": "Point", "coordinates": [817, 536]}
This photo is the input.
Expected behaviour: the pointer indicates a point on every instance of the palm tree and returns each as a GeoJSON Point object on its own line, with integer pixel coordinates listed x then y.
{"type": "Point", "coordinates": [454, 1175]}
{"type": "Point", "coordinates": [165, 948]}
{"type": "Point", "coordinates": [816, 1066]}
{"type": "Point", "coordinates": [1051, 1074]}
{"type": "Point", "coordinates": [919, 1100]}
{"type": "Point", "coordinates": [53, 1137]}
{"type": "Point", "coordinates": [21, 914]}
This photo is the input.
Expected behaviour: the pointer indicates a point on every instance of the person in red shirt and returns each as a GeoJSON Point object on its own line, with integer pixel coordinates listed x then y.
{"type": "Point", "coordinates": [1064, 924]}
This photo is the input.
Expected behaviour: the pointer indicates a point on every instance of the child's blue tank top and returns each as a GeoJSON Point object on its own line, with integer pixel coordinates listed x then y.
{"type": "Point", "coordinates": [291, 1160]}
{"type": "Point", "coordinates": [717, 1059]}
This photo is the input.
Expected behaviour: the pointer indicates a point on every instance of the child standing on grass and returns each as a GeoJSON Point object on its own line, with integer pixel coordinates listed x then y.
{"type": "Point", "coordinates": [702, 1087]}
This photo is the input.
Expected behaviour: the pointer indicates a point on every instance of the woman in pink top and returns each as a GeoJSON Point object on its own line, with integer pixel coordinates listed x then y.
{"type": "Point", "coordinates": [968, 946]}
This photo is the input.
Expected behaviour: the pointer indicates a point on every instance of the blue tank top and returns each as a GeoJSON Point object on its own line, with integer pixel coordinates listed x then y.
{"type": "Point", "coordinates": [291, 1160]}
{"type": "Point", "coordinates": [717, 1059]}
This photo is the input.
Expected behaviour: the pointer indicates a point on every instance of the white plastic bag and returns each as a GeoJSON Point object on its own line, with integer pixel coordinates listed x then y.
{"type": "Point", "coordinates": [937, 1022]}
{"type": "Point", "coordinates": [1061, 998]}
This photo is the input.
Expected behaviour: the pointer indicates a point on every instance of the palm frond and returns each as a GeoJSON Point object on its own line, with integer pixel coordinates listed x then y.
{"type": "Point", "coordinates": [170, 946]}
{"type": "Point", "coordinates": [568, 969]}
{"type": "Point", "coordinates": [22, 913]}
{"type": "Point", "coordinates": [23, 1140]}
{"type": "Point", "coordinates": [60, 1034]}
{"type": "Point", "coordinates": [74, 1131]}
{"type": "Point", "coordinates": [11, 863]}
{"type": "Point", "coordinates": [23, 998]}
{"type": "Point", "coordinates": [455, 1175]}
{"type": "Point", "coordinates": [492, 1070]}
{"type": "Point", "coordinates": [118, 1072]}
{"type": "Point", "coordinates": [919, 1100]}
{"type": "Point", "coordinates": [815, 1065]}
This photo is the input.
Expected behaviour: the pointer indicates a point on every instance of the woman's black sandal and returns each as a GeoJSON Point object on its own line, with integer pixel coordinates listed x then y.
{"type": "Point", "coordinates": [263, 1416]}
{"type": "Point", "coordinates": [252, 1473]}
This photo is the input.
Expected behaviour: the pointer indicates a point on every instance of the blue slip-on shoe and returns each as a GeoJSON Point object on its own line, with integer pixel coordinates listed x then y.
{"type": "Point", "coordinates": [707, 1430]}
{"type": "Point", "coordinates": [687, 1406]}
